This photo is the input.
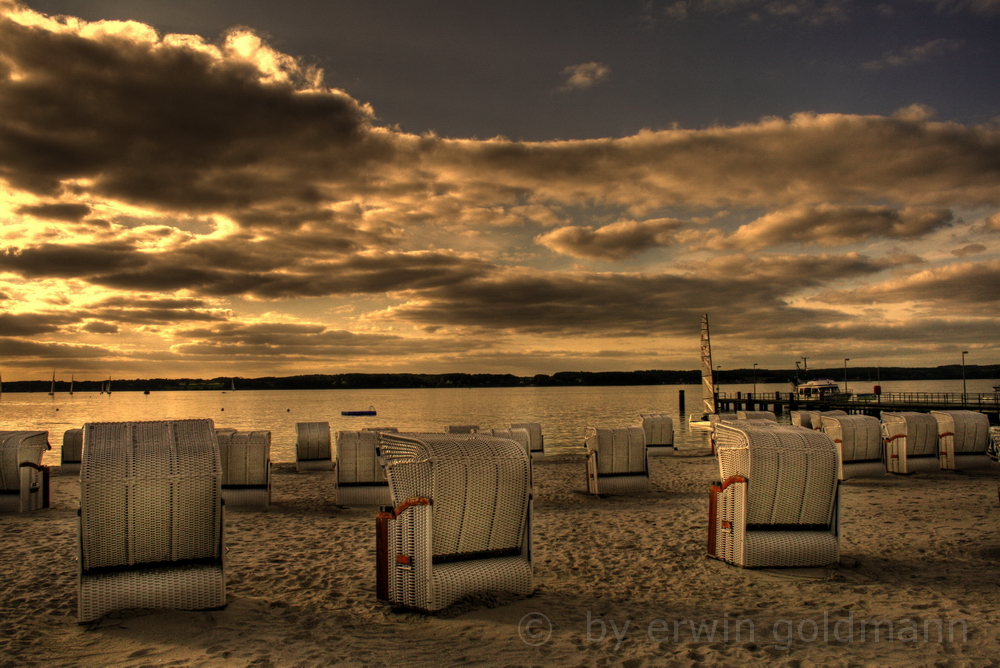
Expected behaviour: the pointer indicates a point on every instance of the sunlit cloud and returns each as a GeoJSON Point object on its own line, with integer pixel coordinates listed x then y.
{"type": "Point", "coordinates": [584, 75]}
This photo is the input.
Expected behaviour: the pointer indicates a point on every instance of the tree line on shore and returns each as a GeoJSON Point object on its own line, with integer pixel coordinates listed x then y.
{"type": "Point", "coordinates": [366, 381]}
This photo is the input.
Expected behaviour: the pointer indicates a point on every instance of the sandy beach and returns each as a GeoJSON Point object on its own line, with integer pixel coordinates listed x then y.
{"type": "Point", "coordinates": [619, 581]}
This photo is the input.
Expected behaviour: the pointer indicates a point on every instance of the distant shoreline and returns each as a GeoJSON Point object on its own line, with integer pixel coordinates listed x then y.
{"type": "Point", "coordinates": [368, 381]}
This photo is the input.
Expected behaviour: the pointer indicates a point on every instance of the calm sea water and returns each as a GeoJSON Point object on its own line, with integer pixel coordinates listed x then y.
{"type": "Point", "coordinates": [564, 412]}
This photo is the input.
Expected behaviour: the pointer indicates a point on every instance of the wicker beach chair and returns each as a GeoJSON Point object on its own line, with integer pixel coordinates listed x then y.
{"type": "Point", "coordinates": [778, 503]}
{"type": "Point", "coordinates": [72, 452]}
{"type": "Point", "coordinates": [151, 520]}
{"type": "Point", "coordinates": [756, 415]}
{"type": "Point", "coordinates": [24, 481]}
{"type": "Point", "coordinates": [963, 439]}
{"type": "Point", "coordinates": [312, 447]}
{"type": "Point", "coordinates": [521, 436]}
{"type": "Point", "coordinates": [801, 419]}
{"type": "Point", "coordinates": [461, 428]}
{"type": "Point", "coordinates": [535, 437]}
{"type": "Point", "coordinates": [859, 438]}
{"type": "Point", "coordinates": [361, 479]}
{"type": "Point", "coordinates": [246, 467]}
{"type": "Point", "coordinates": [911, 442]}
{"type": "Point", "coordinates": [659, 434]}
{"type": "Point", "coordinates": [617, 461]}
{"type": "Point", "coordinates": [460, 524]}
{"type": "Point", "coordinates": [816, 418]}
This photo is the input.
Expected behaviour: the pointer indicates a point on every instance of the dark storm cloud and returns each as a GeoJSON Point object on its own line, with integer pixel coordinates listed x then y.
{"type": "Point", "coordinates": [14, 348]}
{"type": "Point", "coordinates": [169, 125]}
{"type": "Point", "coordinates": [304, 341]}
{"type": "Point", "coordinates": [615, 241]}
{"type": "Point", "coordinates": [530, 302]}
{"type": "Point", "coordinates": [955, 287]}
{"type": "Point", "coordinates": [97, 327]}
{"type": "Point", "coordinates": [69, 260]}
{"type": "Point", "coordinates": [68, 212]}
{"type": "Point", "coordinates": [30, 324]}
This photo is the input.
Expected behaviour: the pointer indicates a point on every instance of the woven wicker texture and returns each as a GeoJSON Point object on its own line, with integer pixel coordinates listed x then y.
{"type": "Point", "coordinates": [246, 467]}
{"type": "Point", "coordinates": [756, 415]}
{"type": "Point", "coordinates": [72, 451]}
{"type": "Point", "coordinates": [792, 471]}
{"type": "Point", "coordinates": [782, 487]}
{"type": "Point", "coordinates": [479, 486]}
{"type": "Point", "coordinates": [536, 439]}
{"type": "Point", "coordinates": [816, 418]}
{"type": "Point", "coordinates": [23, 488]}
{"type": "Point", "coordinates": [360, 477]}
{"type": "Point", "coordinates": [859, 438]}
{"type": "Point", "coordinates": [964, 437]}
{"type": "Point", "coordinates": [801, 419]}
{"type": "Point", "coordinates": [659, 432]}
{"type": "Point", "coordinates": [461, 428]}
{"type": "Point", "coordinates": [617, 461]}
{"type": "Point", "coordinates": [517, 435]}
{"type": "Point", "coordinates": [479, 492]}
{"type": "Point", "coordinates": [911, 442]}
{"type": "Point", "coordinates": [149, 495]}
{"type": "Point", "coordinates": [312, 447]}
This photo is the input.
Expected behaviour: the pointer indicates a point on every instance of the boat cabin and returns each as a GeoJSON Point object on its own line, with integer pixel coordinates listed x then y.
{"type": "Point", "coordinates": [820, 388]}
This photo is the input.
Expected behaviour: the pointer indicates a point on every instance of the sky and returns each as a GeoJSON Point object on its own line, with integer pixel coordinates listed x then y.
{"type": "Point", "coordinates": [223, 188]}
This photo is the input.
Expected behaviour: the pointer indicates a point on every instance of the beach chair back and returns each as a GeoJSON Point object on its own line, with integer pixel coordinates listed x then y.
{"type": "Point", "coordinates": [535, 438]}
{"type": "Point", "coordinates": [859, 438]}
{"type": "Point", "coordinates": [619, 449]}
{"type": "Point", "coordinates": [756, 415]}
{"type": "Point", "coordinates": [245, 456]}
{"type": "Point", "coordinates": [357, 460]}
{"type": "Point", "coordinates": [962, 435]}
{"type": "Point", "coordinates": [801, 419]}
{"type": "Point", "coordinates": [16, 448]}
{"type": "Point", "coordinates": [312, 446]}
{"type": "Point", "coordinates": [72, 451]}
{"type": "Point", "coordinates": [658, 429]}
{"type": "Point", "coordinates": [911, 441]}
{"type": "Point", "coordinates": [149, 493]}
{"type": "Point", "coordinates": [816, 418]}
{"type": "Point", "coordinates": [792, 472]}
{"type": "Point", "coordinates": [519, 436]}
{"type": "Point", "coordinates": [461, 428]}
{"type": "Point", "coordinates": [479, 487]}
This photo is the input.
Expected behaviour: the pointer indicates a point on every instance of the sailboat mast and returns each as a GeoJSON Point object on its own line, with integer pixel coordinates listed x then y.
{"type": "Point", "coordinates": [707, 380]}
{"type": "Point", "coordinates": [52, 387]}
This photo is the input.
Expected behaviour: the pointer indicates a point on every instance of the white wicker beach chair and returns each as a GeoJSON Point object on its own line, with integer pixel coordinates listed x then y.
{"type": "Point", "coordinates": [617, 461]}
{"type": "Point", "coordinates": [461, 521]}
{"type": "Point", "coordinates": [963, 439]}
{"type": "Point", "coordinates": [536, 439]}
{"type": "Point", "coordinates": [312, 447]}
{"type": "Point", "coordinates": [859, 438]}
{"type": "Point", "coordinates": [816, 418]}
{"type": "Point", "coordinates": [72, 452]}
{"type": "Point", "coordinates": [461, 428]}
{"type": "Point", "coordinates": [520, 436]}
{"type": "Point", "coordinates": [246, 467]}
{"type": "Point", "coordinates": [361, 479]}
{"type": "Point", "coordinates": [24, 481]}
{"type": "Point", "coordinates": [756, 415]}
{"type": "Point", "coordinates": [659, 434]}
{"type": "Point", "coordinates": [777, 504]}
{"type": "Point", "coordinates": [151, 520]}
{"type": "Point", "coordinates": [801, 419]}
{"type": "Point", "coordinates": [911, 442]}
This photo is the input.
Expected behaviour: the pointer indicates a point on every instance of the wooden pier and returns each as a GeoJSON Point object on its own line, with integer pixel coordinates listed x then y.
{"type": "Point", "coordinates": [865, 404]}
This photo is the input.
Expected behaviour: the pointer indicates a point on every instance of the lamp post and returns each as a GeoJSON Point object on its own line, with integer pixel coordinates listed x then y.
{"type": "Point", "coordinates": [846, 360]}
{"type": "Point", "coordinates": [754, 379]}
{"type": "Point", "coordinates": [964, 353]}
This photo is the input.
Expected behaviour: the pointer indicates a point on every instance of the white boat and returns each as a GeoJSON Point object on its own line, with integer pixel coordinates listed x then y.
{"type": "Point", "coordinates": [820, 388]}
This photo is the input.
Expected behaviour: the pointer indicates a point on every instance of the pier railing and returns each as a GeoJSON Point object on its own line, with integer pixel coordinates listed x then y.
{"type": "Point", "coordinates": [916, 400]}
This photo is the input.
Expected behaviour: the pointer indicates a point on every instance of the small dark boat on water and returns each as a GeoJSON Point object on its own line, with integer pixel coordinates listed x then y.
{"type": "Point", "coordinates": [370, 411]}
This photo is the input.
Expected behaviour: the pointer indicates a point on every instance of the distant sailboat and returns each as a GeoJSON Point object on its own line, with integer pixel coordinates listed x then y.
{"type": "Point", "coordinates": [52, 387]}
{"type": "Point", "coordinates": [71, 377]}
{"type": "Point", "coordinates": [106, 386]}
